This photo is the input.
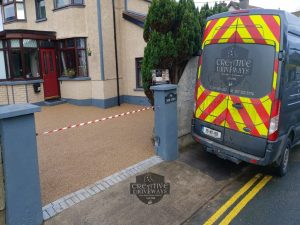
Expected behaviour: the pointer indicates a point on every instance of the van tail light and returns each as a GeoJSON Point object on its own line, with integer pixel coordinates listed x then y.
{"type": "Point", "coordinates": [195, 95]}
{"type": "Point", "coordinates": [195, 98]}
{"type": "Point", "coordinates": [273, 128]}
{"type": "Point", "coordinates": [197, 85]}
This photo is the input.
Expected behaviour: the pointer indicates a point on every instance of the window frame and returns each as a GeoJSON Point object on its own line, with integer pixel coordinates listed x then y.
{"type": "Point", "coordinates": [6, 54]}
{"type": "Point", "coordinates": [75, 50]}
{"type": "Point", "coordinates": [14, 3]}
{"type": "Point", "coordinates": [138, 67]}
{"type": "Point", "coordinates": [71, 4]}
{"type": "Point", "coordinates": [36, 11]}
{"type": "Point", "coordinates": [22, 50]}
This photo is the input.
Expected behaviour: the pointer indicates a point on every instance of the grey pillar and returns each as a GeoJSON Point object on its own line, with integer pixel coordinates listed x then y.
{"type": "Point", "coordinates": [166, 127]}
{"type": "Point", "coordinates": [20, 165]}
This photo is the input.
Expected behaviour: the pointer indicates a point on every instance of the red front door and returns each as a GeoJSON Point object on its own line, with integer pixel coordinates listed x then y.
{"type": "Point", "coordinates": [48, 66]}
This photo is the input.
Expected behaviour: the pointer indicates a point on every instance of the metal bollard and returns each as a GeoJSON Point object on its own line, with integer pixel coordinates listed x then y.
{"type": "Point", "coordinates": [166, 127]}
{"type": "Point", "coordinates": [22, 194]}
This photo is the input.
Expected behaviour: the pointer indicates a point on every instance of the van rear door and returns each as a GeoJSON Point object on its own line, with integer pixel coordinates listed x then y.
{"type": "Point", "coordinates": [211, 104]}
{"type": "Point", "coordinates": [249, 104]}
{"type": "Point", "coordinates": [241, 71]}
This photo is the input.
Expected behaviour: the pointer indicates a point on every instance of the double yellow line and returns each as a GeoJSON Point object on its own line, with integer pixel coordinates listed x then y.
{"type": "Point", "coordinates": [238, 208]}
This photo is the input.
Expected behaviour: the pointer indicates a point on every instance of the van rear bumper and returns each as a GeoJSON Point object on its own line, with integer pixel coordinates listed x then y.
{"type": "Point", "coordinates": [273, 151]}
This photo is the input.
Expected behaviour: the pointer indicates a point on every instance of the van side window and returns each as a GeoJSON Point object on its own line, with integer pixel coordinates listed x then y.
{"type": "Point", "coordinates": [291, 76]}
{"type": "Point", "coordinates": [298, 73]}
{"type": "Point", "coordinates": [292, 67]}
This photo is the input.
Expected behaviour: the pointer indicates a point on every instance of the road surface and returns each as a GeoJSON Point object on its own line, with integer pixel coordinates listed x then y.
{"type": "Point", "coordinates": [257, 197]}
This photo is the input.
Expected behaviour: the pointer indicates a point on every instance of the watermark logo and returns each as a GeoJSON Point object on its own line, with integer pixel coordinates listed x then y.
{"type": "Point", "coordinates": [150, 188]}
{"type": "Point", "coordinates": [234, 65]}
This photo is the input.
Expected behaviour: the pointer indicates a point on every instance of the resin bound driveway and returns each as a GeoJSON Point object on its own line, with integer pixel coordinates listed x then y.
{"type": "Point", "coordinates": [72, 159]}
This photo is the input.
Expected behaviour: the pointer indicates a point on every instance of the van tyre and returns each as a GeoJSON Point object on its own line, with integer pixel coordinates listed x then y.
{"type": "Point", "coordinates": [284, 161]}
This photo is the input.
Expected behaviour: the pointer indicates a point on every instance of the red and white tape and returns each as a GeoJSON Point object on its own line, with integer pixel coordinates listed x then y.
{"type": "Point", "coordinates": [95, 121]}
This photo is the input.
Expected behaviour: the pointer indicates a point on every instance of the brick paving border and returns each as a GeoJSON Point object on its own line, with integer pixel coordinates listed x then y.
{"type": "Point", "coordinates": [54, 208]}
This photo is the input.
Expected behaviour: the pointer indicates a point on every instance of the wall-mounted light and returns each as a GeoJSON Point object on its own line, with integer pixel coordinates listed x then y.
{"type": "Point", "coordinates": [89, 51]}
{"type": "Point", "coordinates": [37, 88]}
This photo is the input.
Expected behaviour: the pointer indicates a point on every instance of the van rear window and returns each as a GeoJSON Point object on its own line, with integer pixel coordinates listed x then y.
{"type": "Point", "coordinates": [244, 70]}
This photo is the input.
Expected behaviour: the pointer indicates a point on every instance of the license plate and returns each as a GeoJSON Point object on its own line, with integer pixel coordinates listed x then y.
{"type": "Point", "coordinates": [211, 132]}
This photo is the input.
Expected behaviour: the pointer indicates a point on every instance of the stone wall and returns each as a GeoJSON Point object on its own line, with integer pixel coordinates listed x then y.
{"type": "Point", "coordinates": [2, 199]}
{"type": "Point", "coordinates": [185, 98]}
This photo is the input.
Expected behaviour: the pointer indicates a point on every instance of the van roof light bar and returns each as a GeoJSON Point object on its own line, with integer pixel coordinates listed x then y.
{"type": "Point", "coordinates": [240, 11]}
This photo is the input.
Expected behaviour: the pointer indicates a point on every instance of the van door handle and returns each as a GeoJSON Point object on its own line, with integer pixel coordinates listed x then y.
{"type": "Point", "coordinates": [237, 105]}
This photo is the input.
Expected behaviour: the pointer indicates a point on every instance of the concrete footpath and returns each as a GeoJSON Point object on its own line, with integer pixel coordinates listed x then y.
{"type": "Point", "coordinates": [194, 180]}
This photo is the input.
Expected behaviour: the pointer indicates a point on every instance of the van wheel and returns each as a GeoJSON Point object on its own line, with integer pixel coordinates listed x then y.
{"type": "Point", "coordinates": [284, 161]}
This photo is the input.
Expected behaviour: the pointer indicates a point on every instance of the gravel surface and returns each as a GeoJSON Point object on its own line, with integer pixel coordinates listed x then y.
{"type": "Point", "coordinates": [75, 158]}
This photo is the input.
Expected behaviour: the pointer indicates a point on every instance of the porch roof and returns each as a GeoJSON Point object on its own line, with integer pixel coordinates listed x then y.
{"type": "Point", "coordinates": [136, 18]}
{"type": "Point", "coordinates": [32, 34]}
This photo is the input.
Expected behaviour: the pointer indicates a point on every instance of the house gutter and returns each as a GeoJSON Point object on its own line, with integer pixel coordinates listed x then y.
{"type": "Point", "coordinates": [126, 5]}
{"type": "Point", "coordinates": [116, 52]}
{"type": "Point", "coordinates": [100, 36]}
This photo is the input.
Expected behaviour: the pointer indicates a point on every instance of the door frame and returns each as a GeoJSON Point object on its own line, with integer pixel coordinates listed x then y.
{"type": "Point", "coordinates": [56, 69]}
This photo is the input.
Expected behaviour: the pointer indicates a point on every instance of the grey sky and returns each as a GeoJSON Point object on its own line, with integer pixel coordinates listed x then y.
{"type": "Point", "coordinates": [288, 5]}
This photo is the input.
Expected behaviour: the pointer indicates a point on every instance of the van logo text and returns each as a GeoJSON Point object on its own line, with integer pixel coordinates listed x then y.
{"type": "Point", "coordinates": [234, 65]}
{"type": "Point", "coordinates": [238, 67]}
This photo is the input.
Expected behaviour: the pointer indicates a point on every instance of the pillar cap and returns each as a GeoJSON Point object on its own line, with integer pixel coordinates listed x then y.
{"type": "Point", "coordinates": [164, 87]}
{"type": "Point", "coordinates": [10, 111]}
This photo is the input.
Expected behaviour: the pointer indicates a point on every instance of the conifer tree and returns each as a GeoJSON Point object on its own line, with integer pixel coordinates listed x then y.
{"type": "Point", "coordinates": [173, 32]}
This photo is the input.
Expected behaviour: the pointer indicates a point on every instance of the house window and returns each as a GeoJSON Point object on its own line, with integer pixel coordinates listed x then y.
{"type": "Point", "coordinates": [3, 59]}
{"type": "Point", "coordinates": [138, 69]}
{"type": "Point", "coordinates": [73, 57]}
{"type": "Point", "coordinates": [46, 44]}
{"type": "Point", "coordinates": [13, 10]}
{"type": "Point", "coordinates": [23, 59]}
{"type": "Point", "coordinates": [40, 9]}
{"type": "Point", "coordinates": [64, 3]}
